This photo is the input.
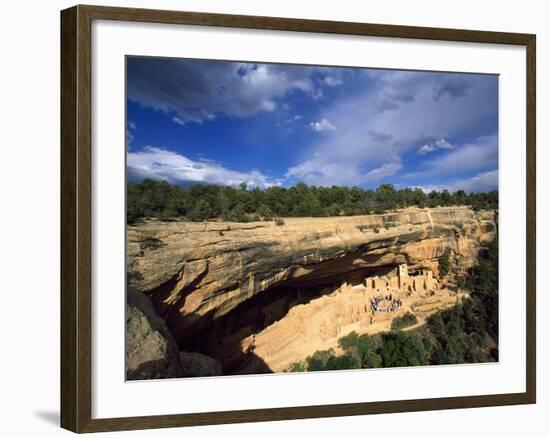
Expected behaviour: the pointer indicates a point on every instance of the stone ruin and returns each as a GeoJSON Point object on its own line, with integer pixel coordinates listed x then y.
{"type": "Point", "coordinates": [290, 323]}
{"type": "Point", "coordinates": [399, 280]}
{"type": "Point", "coordinates": [386, 289]}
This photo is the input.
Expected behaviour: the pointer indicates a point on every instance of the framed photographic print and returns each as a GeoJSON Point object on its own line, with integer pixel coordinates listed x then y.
{"type": "Point", "coordinates": [305, 218]}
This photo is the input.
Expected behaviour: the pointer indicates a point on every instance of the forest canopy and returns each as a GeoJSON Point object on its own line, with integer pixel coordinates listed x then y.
{"type": "Point", "coordinates": [160, 199]}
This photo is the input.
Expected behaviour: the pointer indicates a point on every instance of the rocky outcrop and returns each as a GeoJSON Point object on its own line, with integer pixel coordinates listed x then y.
{"type": "Point", "coordinates": [151, 352]}
{"type": "Point", "coordinates": [198, 365]}
{"type": "Point", "coordinates": [201, 271]}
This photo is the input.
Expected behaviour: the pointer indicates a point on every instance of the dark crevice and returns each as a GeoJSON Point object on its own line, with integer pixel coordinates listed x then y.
{"type": "Point", "coordinates": [161, 293]}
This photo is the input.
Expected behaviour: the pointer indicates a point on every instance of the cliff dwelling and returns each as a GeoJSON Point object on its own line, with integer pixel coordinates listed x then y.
{"type": "Point", "coordinates": [290, 321]}
{"type": "Point", "coordinates": [258, 297]}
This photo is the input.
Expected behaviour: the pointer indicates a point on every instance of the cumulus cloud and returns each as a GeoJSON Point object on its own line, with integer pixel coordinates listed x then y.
{"type": "Point", "coordinates": [158, 163]}
{"type": "Point", "coordinates": [323, 125]}
{"type": "Point", "coordinates": [196, 90]}
{"type": "Point", "coordinates": [438, 144]}
{"type": "Point", "coordinates": [426, 149]}
{"type": "Point", "coordinates": [401, 112]}
{"type": "Point", "coordinates": [369, 134]}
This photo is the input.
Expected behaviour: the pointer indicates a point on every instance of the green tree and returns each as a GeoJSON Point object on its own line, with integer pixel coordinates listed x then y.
{"type": "Point", "coordinates": [401, 322]}
{"type": "Point", "coordinates": [200, 212]}
{"type": "Point", "coordinates": [152, 198]}
{"type": "Point", "coordinates": [398, 350]}
{"type": "Point", "coordinates": [318, 360]}
{"type": "Point", "coordinates": [265, 212]}
{"type": "Point", "coordinates": [363, 348]}
{"type": "Point", "coordinates": [445, 263]}
{"type": "Point", "coordinates": [223, 202]}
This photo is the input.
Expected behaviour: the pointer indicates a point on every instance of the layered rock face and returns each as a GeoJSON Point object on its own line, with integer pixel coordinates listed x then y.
{"type": "Point", "coordinates": [196, 273]}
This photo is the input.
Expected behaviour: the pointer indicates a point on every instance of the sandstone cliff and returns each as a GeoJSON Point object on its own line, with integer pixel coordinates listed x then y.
{"type": "Point", "coordinates": [196, 273]}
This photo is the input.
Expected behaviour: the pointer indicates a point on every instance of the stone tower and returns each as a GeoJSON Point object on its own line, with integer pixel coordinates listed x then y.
{"type": "Point", "coordinates": [403, 275]}
{"type": "Point", "coordinates": [428, 279]}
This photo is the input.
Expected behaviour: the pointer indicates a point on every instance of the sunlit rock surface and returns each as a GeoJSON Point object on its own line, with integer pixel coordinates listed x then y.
{"type": "Point", "coordinates": [200, 275]}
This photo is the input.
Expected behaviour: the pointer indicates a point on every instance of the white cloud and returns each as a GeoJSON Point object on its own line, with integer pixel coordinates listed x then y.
{"type": "Point", "coordinates": [426, 149]}
{"type": "Point", "coordinates": [323, 125]}
{"type": "Point", "coordinates": [385, 170]}
{"type": "Point", "coordinates": [483, 182]}
{"type": "Point", "coordinates": [332, 81]}
{"type": "Point", "coordinates": [158, 163]}
{"type": "Point", "coordinates": [368, 136]}
{"type": "Point", "coordinates": [481, 153]}
{"type": "Point", "coordinates": [398, 113]}
{"type": "Point", "coordinates": [438, 144]}
{"type": "Point", "coordinates": [318, 172]}
{"type": "Point", "coordinates": [195, 91]}
{"type": "Point", "coordinates": [444, 144]}
{"type": "Point", "coordinates": [268, 106]}
{"type": "Point", "coordinates": [130, 126]}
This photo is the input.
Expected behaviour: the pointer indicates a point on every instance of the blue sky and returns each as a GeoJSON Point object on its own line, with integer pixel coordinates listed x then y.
{"type": "Point", "coordinates": [191, 121]}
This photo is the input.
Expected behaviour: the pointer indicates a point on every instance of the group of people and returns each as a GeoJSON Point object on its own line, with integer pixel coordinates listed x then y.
{"type": "Point", "coordinates": [395, 304]}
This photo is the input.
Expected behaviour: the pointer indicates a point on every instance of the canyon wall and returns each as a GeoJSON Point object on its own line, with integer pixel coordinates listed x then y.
{"type": "Point", "coordinates": [195, 273]}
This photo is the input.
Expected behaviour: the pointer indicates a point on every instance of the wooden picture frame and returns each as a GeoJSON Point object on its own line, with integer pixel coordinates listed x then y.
{"type": "Point", "coordinates": [76, 217]}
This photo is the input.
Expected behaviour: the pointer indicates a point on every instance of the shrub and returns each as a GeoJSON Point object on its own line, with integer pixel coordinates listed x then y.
{"type": "Point", "coordinates": [401, 322]}
{"type": "Point", "coordinates": [148, 241]}
{"type": "Point", "coordinates": [345, 362]}
{"type": "Point", "coordinates": [296, 367]}
{"type": "Point", "coordinates": [168, 215]}
{"type": "Point", "coordinates": [279, 221]}
{"type": "Point", "coordinates": [237, 215]}
{"type": "Point", "coordinates": [265, 212]}
{"type": "Point", "coordinates": [445, 263]}
{"type": "Point", "coordinates": [318, 360]}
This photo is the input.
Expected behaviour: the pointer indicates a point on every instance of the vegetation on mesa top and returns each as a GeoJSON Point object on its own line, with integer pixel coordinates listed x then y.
{"type": "Point", "coordinates": [160, 199]}
{"type": "Point", "coordinates": [466, 333]}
